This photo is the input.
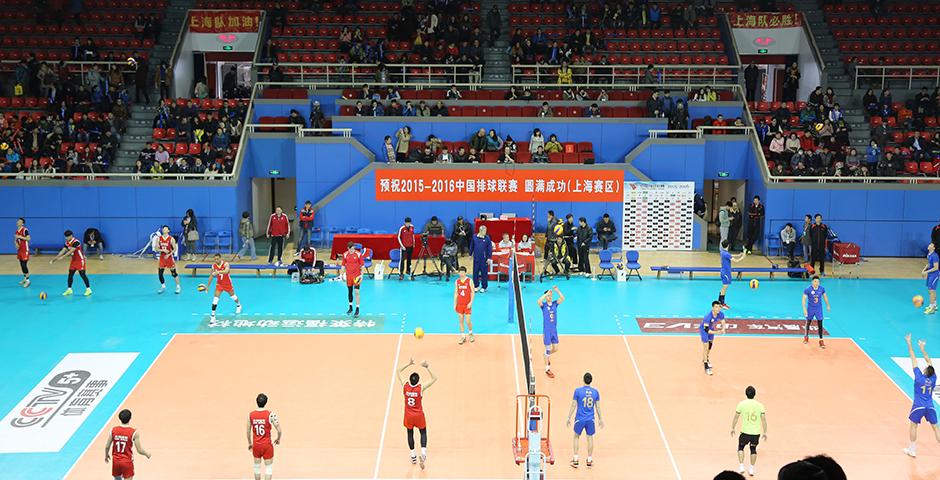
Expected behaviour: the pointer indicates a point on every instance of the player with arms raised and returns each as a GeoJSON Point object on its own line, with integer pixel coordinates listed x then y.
{"type": "Point", "coordinates": [463, 300]}
{"type": "Point", "coordinates": [119, 445]}
{"type": "Point", "coordinates": [414, 411]}
{"type": "Point", "coordinates": [352, 268]}
{"type": "Point", "coordinates": [167, 247]}
{"type": "Point", "coordinates": [21, 241]}
{"type": "Point", "coordinates": [549, 308]}
{"type": "Point", "coordinates": [260, 423]}
{"type": "Point", "coordinates": [221, 271]}
{"type": "Point", "coordinates": [924, 383]}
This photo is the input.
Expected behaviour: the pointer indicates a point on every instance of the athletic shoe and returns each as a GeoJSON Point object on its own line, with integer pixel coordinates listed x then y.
{"type": "Point", "coordinates": [67, 292]}
{"type": "Point", "coordinates": [931, 309]}
{"type": "Point", "coordinates": [401, 277]}
{"type": "Point", "coordinates": [356, 315]}
{"type": "Point", "coordinates": [567, 276]}
{"type": "Point", "coordinates": [471, 338]}
{"type": "Point", "coordinates": [708, 371]}
{"type": "Point", "coordinates": [822, 344]}
{"type": "Point", "coordinates": [805, 339]}
{"type": "Point", "coordinates": [162, 289]}
{"type": "Point", "coordinates": [462, 339]}
{"type": "Point", "coordinates": [100, 257]}
{"type": "Point", "coordinates": [725, 306]}
{"type": "Point", "coordinates": [589, 462]}
{"type": "Point", "coordinates": [910, 453]}
{"type": "Point", "coordinates": [238, 309]}
{"type": "Point", "coordinates": [414, 459]}
{"type": "Point", "coordinates": [23, 280]}
{"type": "Point", "coordinates": [26, 283]}
{"type": "Point", "coordinates": [482, 290]}
{"type": "Point", "coordinates": [549, 373]}
{"type": "Point", "coordinates": [178, 289]}
{"type": "Point", "coordinates": [573, 463]}
{"type": "Point", "coordinates": [741, 468]}
{"type": "Point", "coordinates": [421, 460]}
{"type": "Point", "coordinates": [87, 292]}
{"type": "Point", "coordinates": [212, 316]}
{"type": "Point", "coordinates": [349, 311]}
{"type": "Point", "coordinates": [751, 471]}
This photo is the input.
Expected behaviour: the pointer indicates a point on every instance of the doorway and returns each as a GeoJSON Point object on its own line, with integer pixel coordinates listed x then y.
{"type": "Point", "coordinates": [717, 193]}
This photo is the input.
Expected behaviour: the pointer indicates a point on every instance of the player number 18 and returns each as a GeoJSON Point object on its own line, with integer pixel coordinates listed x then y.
{"type": "Point", "coordinates": [588, 402]}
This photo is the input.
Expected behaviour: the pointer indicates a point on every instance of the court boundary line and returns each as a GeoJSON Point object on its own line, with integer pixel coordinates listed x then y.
{"type": "Point", "coordinates": [649, 401]}
{"type": "Point", "coordinates": [515, 363]}
{"type": "Point", "coordinates": [120, 404]}
{"type": "Point", "coordinates": [388, 401]}
{"type": "Point", "coordinates": [872, 360]}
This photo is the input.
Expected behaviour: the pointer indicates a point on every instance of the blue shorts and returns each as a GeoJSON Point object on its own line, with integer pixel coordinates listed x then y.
{"type": "Point", "coordinates": [550, 337]}
{"type": "Point", "coordinates": [586, 426]}
{"type": "Point", "coordinates": [706, 337]}
{"type": "Point", "coordinates": [919, 413]}
{"type": "Point", "coordinates": [932, 281]}
{"type": "Point", "coordinates": [814, 315]}
{"type": "Point", "coordinates": [726, 278]}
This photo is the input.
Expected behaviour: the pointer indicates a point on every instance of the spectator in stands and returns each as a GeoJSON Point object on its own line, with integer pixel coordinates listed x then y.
{"type": "Point", "coordinates": [510, 144]}
{"type": "Point", "coordinates": [870, 102]}
{"type": "Point", "coordinates": [545, 111]}
{"type": "Point", "coordinates": [553, 145]}
{"type": "Point", "coordinates": [438, 110]}
{"type": "Point", "coordinates": [829, 99]}
{"type": "Point", "coordinates": [593, 111]}
{"type": "Point", "coordinates": [453, 93]}
{"type": "Point", "coordinates": [378, 108]}
{"type": "Point", "coordinates": [654, 103]}
{"type": "Point", "coordinates": [917, 145]}
{"type": "Point", "coordinates": [445, 156]}
{"type": "Point", "coordinates": [394, 109]}
{"type": "Point", "coordinates": [808, 116]}
{"type": "Point", "coordinates": [873, 154]}
{"type": "Point", "coordinates": [649, 75]}
{"type": "Point", "coordinates": [201, 91]}
{"type": "Point", "coordinates": [719, 122]}
{"type": "Point", "coordinates": [668, 104]}
{"type": "Point", "coordinates": [539, 155]}
{"type": "Point", "coordinates": [655, 16]}
{"type": "Point", "coordinates": [798, 157]}
{"type": "Point", "coordinates": [493, 142]}
{"type": "Point", "coordinates": [886, 100]}
{"type": "Point", "coordinates": [403, 136]}
{"type": "Point", "coordinates": [526, 94]}
{"type": "Point", "coordinates": [841, 133]}
{"type": "Point", "coordinates": [853, 161]}
{"type": "Point", "coordinates": [423, 110]}
{"type": "Point", "coordinates": [680, 117]}
{"type": "Point", "coordinates": [788, 239]}
{"type": "Point", "coordinates": [888, 166]}
{"type": "Point", "coordinates": [836, 113]}
{"type": "Point", "coordinates": [421, 155]}
{"type": "Point", "coordinates": [361, 110]}
{"type": "Point", "coordinates": [536, 140]}
{"type": "Point", "coordinates": [294, 118]}
{"type": "Point", "coordinates": [791, 83]}
{"type": "Point", "coordinates": [434, 143]}
{"type": "Point", "coordinates": [494, 22]}
{"type": "Point", "coordinates": [751, 76]}
{"type": "Point", "coordinates": [506, 155]}
{"type": "Point", "coordinates": [512, 94]}
{"type": "Point", "coordinates": [564, 74]}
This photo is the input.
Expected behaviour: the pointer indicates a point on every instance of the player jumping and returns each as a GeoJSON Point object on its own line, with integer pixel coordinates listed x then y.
{"type": "Point", "coordinates": [812, 308]}
{"type": "Point", "coordinates": [73, 247]}
{"type": "Point", "coordinates": [221, 271]}
{"type": "Point", "coordinates": [260, 422]}
{"type": "Point", "coordinates": [931, 272]}
{"type": "Point", "coordinates": [750, 411]}
{"type": "Point", "coordinates": [463, 301]}
{"type": "Point", "coordinates": [21, 240]}
{"type": "Point", "coordinates": [119, 445]}
{"type": "Point", "coordinates": [707, 332]}
{"type": "Point", "coordinates": [586, 402]}
{"type": "Point", "coordinates": [352, 266]}
{"type": "Point", "coordinates": [726, 259]}
{"type": "Point", "coordinates": [414, 411]}
{"type": "Point", "coordinates": [924, 383]}
{"type": "Point", "coordinates": [550, 325]}
{"type": "Point", "coordinates": [167, 247]}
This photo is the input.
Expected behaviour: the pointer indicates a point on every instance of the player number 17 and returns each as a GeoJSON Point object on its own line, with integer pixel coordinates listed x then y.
{"type": "Point", "coordinates": [119, 447]}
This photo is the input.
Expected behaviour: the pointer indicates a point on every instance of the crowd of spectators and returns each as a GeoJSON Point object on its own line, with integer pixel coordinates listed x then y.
{"type": "Point", "coordinates": [401, 148]}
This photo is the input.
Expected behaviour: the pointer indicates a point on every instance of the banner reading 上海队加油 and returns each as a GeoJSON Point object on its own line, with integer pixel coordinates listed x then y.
{"type": "Point", "coordinates": [224, 21]}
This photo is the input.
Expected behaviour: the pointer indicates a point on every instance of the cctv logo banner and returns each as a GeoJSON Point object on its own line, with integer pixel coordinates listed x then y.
{"type": "Point", "coordinates": [47, 417]}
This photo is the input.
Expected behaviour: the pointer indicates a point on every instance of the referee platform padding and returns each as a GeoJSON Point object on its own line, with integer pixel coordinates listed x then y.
{"type": "Point", "coordinates": [740, 271]}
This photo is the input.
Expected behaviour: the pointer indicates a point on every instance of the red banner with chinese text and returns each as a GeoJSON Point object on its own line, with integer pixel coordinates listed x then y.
{"type": "Point", "coordinates": [765, 20]}
{"type": "Point", "coordinates": [505, 185]}
{"type": "Point", "coordinates": [224, 21]}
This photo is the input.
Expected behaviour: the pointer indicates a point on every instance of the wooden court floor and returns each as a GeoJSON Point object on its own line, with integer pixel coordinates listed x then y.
{"type": "Point", "coordinates": [341, 408]}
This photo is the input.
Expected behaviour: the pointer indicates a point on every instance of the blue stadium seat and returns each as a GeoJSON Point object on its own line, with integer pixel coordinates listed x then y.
{"type": "Point", "coordinates": [224, 241]}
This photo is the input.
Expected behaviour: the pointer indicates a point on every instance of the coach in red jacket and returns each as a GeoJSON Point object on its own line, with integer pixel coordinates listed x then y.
{"type": "Point", "coordinates": [406, 240]}
{"type": "Point", "coordinates": [278, 230]}
{"type": "Point", "coordinates": [306, 226]}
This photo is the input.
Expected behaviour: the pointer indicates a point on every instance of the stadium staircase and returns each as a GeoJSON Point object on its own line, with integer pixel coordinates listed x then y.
{"type": "Point", "coordinates": [140, 125]}
{"type": "Point", "coordinates": [497, 64]}
{"type": "Point", "coordinates": [836, 75]}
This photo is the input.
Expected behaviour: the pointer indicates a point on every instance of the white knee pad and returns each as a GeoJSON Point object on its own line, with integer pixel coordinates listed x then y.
{"type": "Point", "coordinates": [257, 469]}
{"type": "Point", "coordinates": [269, 469]}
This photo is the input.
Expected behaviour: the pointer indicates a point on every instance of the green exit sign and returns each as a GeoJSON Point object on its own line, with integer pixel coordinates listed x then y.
{"type": "Point", "coordinates": [274, 172]}
{"type": "Point", "coordinates": [723, 174]}
{"type": "Point", "coordinates": [229, 47]}
{"type": "Point", "coordinates": [761, 50]}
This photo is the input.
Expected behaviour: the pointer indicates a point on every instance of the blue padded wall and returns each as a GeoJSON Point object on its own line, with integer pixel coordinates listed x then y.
{"type": "Point", "coordinates": [321, 167]}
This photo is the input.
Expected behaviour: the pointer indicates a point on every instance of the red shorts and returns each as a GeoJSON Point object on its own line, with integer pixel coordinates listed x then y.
{"type": "Point", "coordinates": [414, 420]}
{"type": "Point", "coordinates": [224, 288]}
{"type": "Point", "coordinates": [122, 468]}
{"type": "Point", "coordinates": [22, 256]}
{"type": "Point", "coordinates": [167, 262]}
{"type": "Point", "coordinates": [351, 281]}
{"type": "Point", "coordinates": [262, 450]}
{"type": "Point", "coordinates": [77, 265]}
{"type": "Point", "coordinates": [463, 309]}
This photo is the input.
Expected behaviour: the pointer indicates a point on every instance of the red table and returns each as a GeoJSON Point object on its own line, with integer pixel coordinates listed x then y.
{"type": "Point", "coordinates": [381, 244]}
{"type": "Point", "coordinates": [495, 227]}
{"type": "Point", "coordinates": [499, 268]}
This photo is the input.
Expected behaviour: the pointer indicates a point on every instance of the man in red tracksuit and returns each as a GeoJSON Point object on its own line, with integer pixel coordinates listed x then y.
{"type": "Point", "coordinates": [306, 226]}
{"type": "Point", "coordinates": [406, 240]}
{"type": "Point", "coordinates": [278, 230]}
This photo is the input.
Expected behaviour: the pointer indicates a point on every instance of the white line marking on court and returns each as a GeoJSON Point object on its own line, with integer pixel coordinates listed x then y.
{"type": "Point", "coordinates": [515, 364]}
{"type": "Point", "coordinates": [649, 401]}
{"type": "Point", "coordinates": [121, 403]}
{"type": "Point", "coordinates": [388, 402]}
{"type": "Point", "coordinates": [903, 392]}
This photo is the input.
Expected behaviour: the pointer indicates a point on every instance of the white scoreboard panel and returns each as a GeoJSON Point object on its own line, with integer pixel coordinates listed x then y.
{"type": "Point", "coordinates": [658, 215]}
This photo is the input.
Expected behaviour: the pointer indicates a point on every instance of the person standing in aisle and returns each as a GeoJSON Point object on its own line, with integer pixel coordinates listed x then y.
{"type": "Point", "coordinates": [278, 231]}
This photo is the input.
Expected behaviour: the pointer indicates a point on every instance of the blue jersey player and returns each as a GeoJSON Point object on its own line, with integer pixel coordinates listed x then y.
{"type": "Point", "coordinates": [586, 402]}
{"type": "Point", "coordinates": [932, 273]}
{"type": "Point", "coordinates": [924, 383]}
{"type": "Point", "coordinates": [726, 259]}
{"type": "Point", "coordinates": [549, 307]}
{"type": "Point", "coordinates": [707, 331]}
{"type": "Point", "coordinates": [813, 298]}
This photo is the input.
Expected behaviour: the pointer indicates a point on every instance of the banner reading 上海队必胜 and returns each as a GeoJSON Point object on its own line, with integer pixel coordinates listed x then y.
{"type": "Point", "coordinates": [765, 20]}
{"type": "Point", "coordinates": [508, 185]}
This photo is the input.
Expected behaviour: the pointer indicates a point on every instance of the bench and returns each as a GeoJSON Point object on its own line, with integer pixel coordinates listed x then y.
{"type": "Point", "coordinates": [256, 267]}
{"type": "Point", "coordinates": [738, 270]}
{"type": "Point", "coordinates": [48, 247]}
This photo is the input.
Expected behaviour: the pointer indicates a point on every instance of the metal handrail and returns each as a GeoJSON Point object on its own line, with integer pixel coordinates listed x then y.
{"type": "Point", "coordinates": [542, 70]}
{"type": "Point", "coordinates": [344, 132]}
{"type": "Point", "coordinates": [706, 128]}
{"type": "Point", "coordinates": [81, 66]}
{"type": "Point", "coordinates": [808, 31]}
{"type": "Point", "coordinates": [656, 133]}
{"type": "Point", "coordinates": [893, 72]}
{"type": "Point", "coordinates": [109, 175]}
{"type": "Point", "coordinates": [488, 85]}
{"type": "Point", "coordinates": [359, 73]}
{"type": "Point", "coordinates": [833, 179]}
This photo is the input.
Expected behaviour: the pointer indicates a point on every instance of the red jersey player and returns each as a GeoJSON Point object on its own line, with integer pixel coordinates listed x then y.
{"type": "Point", "coordinates": [73, 247]}
{"type": "Point", "coordinates": [21, 241]}
{"type": "Point", "coordinates": [166, 245]}
{"type": "Point", "coordinates": [463, 300]}
{"type": "Point", "coordinates": [414, 411]}
{"type": "Point", "coordinates": [119, 446]}
{"type": "Point", "coordinates": [260, 423]}
{"type": "Point", "coordinates": [352, 266]}
{"type": "Point", "coordinates": [221, 272]}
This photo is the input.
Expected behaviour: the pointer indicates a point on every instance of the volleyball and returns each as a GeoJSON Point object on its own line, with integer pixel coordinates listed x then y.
{"type": "Point", "coordinates": [42, 295]}
{"type": "Point", "coordinates": [419, 333]}
{"type": "Point", "coordinates": [131, 62]}
{"type": "Point", "coordinates": [559, 229]}
{"type": "Point", "coordinates": [918, 301]}
{"type": "Point", "coordinates": [754, 283]}
{"type": "Point", "coordinates": [201, 287]}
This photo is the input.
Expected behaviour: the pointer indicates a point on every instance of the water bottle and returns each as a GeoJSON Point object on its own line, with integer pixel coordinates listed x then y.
{"type": "Point", "coordinates": [295, 277]}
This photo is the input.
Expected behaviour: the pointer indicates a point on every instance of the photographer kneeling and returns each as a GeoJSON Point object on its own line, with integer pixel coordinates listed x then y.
{"type": "Point", "coordinates": [449, 258]}
{"type": "Point", "coordinates": [557, 257]}
{"type": "Point", "coordinates": [306, 261]}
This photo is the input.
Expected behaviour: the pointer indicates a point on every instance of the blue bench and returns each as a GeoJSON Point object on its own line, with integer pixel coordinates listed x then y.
{"type": "Point", "coordinates": [233, 266]}
{"type": "Point", "coordinates": [740, 271]}
{"type": "Point", "coordinates": [47, 247]}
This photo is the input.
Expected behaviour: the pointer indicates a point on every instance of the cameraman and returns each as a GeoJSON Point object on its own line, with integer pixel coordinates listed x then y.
{"type": "Point", "coordinates": [557, 256]}
{"type": "Point", "coordinates": [449, 258]}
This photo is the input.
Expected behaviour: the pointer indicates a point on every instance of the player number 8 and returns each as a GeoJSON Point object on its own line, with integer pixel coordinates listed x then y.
{"type": "Point", "coordinates": [411, 402]}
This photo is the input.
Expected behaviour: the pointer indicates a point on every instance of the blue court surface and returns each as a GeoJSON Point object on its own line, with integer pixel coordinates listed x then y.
{"type": "Point", "coordinates": [126, 315]}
